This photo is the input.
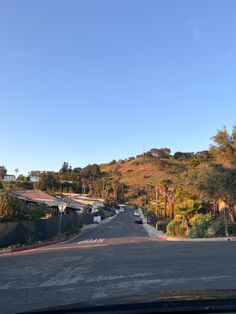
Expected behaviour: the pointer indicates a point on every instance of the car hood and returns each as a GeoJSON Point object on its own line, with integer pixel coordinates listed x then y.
{"type": "Point", "coordinates": [164, 302]}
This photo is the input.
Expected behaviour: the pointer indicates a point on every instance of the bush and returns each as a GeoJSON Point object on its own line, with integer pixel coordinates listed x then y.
{"type": "Point", "coordinates": [176, 229]}
{"type": "Point", "coordinates": [232, 229]}
{"type": "Point", "coordinates": [216, 229]}
{"type": "Point", "coordinates": [162, 227]}
{"type": "Point", "coordinates": [200, 225]}
{"type": "Point", "coordinates": [204, 226]}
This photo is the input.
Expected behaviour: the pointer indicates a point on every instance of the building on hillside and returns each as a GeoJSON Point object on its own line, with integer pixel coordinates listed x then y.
{"type": "Point", "coordinates": [74, 205]}
{"type": "Point", "coordinates": [96, 206]}
{"type": "Point", "coordinates": [34, 178]}
{"type": "Point", "coordinates": [39, 197]}
{"type": "Point", "coordinates": [9, 178]}
{"type": "Point", "coordinates": [95, 203]}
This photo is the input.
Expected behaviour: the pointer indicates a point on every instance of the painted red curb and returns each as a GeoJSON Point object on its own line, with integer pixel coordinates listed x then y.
{"type": "Point", "coordinates": [161, 238]}
{"type": "Point", "coordinates": [26, 248]}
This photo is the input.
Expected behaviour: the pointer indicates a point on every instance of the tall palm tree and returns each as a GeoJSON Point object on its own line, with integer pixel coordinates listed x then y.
{"type": "Point", "coordinates": [164, 185]}
{"type": "Point", "coordinates": [16, 172]}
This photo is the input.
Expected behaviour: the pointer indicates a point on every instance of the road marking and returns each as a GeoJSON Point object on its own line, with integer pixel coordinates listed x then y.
{"type": "Point", "coordinates": [91, 241]}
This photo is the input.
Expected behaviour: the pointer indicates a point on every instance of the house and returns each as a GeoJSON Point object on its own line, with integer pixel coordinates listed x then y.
{"type": "Point", "coordinates": [96, 206]}
{"type": "Point", "coordinates": [34, 178]}
{"type": "Point", "coordinates": [74, 205]}
{"type": "Point", "coordinates": [9, 178]}
{"type": "Point", "coordinates": [95, 203]}
{"type": "Point", "coordinates": [37, 196]}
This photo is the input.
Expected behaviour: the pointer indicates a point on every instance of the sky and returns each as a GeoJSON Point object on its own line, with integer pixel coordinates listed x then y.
{"type": "Point", "coordinates": [91, 81]}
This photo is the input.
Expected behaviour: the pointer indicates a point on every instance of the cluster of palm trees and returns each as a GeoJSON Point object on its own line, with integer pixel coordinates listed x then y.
{"type": "Point", "coordinates": [165, 197]}
{"type": "Point", "coordinates": [110, 188]}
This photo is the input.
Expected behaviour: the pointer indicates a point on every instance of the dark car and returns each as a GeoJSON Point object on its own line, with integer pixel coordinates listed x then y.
{"type": "Point", "coordinates": [138, 220]}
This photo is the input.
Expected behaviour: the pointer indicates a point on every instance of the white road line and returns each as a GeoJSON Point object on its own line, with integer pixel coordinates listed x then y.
{"type": "Point", "coordinates": [91, 241]}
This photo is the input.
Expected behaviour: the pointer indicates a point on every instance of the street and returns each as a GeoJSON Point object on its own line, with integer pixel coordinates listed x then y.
{"type": "Point", "coordinates": [115, 258]}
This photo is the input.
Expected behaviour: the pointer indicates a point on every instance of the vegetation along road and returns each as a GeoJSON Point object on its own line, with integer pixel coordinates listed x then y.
{"type": "Point", "coordinates": [113, 259]}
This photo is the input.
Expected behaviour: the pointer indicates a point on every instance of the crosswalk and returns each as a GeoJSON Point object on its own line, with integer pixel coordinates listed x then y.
{"type": "Point", "coordinates": [91, 241]}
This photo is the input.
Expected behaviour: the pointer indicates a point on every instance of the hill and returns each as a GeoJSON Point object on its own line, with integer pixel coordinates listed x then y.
{"type": "Point", "coordinates": [146, 169]}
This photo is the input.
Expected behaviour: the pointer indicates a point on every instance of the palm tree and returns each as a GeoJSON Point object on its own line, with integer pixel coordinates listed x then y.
{"type": "Point", "coordinates": [16, 171]}
{"type": "Point", "coordinates": [116, 184]}
{"type": "Point", "coordinates": [187, 211]}
{"type": "Point", "coordinates": [83, 185]}
{"type": "Point", "coordinates": [165, 184]}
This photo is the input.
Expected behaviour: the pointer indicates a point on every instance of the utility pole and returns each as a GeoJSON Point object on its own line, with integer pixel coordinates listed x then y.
{"type": "Point", "coordinates": [156, 198]}
{"type": "Point", "coordinates": [103, 187]}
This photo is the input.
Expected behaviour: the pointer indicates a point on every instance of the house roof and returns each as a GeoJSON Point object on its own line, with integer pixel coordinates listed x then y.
{"type": "Point", "coordinates": [37, 196]}
{"type": "Point", "coordinates": [73, 203]}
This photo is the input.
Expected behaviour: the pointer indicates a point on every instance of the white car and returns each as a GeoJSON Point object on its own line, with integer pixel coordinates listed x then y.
{"type": "Point", "coordinates": [136, 214]}
{"type": "Point", "coordinates": [121, 210]}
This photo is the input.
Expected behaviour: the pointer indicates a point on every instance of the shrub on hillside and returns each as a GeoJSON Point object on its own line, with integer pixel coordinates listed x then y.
{"type": "Point", "coordinates": [204, 226]}
{"type": "Point", "coordinates": [232, 229]}
{"type": "Point", "coordinates": [176, 229]}
{"type": "Point", "coordinates": [216, 229]}
{"type": "Point", "coordinates": [200, 224]}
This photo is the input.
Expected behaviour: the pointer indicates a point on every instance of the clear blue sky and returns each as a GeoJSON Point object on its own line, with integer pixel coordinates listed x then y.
{"type": "Point", "coordinates": [91, 81]}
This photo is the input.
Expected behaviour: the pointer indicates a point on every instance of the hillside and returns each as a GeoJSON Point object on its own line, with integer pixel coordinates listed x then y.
{"type": "Point", "coordinates": [146, 169]}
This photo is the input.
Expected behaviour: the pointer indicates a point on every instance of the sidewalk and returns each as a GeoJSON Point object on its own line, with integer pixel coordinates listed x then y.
{"type": "Point", "coordinates": [152, 232]}
{"type": "Point", "coordinates": [161, 236]}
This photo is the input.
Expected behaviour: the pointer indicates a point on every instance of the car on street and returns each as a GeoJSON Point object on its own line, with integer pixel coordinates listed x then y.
{"type": "Point", "coordinates": [138, 220]}
{"type": "Point", "coordinates": [136, 214]}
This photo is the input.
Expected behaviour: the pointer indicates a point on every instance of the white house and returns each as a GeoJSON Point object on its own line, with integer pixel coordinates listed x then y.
{"type": "Point", "coordinates": [34, 178]}
{"type": "Point", "coordinates": [9, 178]}
{"type": "Point", "coordinates": [96, 206]}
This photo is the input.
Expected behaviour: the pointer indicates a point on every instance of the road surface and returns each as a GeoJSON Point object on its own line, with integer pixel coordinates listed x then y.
{"type": "Point", "coordinates": [115, 258]}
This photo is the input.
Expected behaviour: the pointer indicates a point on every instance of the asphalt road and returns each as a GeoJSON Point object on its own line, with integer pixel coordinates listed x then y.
{"type": "Point", "coordinates": [115, 258]}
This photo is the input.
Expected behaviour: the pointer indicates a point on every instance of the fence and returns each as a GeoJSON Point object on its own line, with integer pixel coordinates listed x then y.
{"type": "Point", "coordinates": [12, 233]}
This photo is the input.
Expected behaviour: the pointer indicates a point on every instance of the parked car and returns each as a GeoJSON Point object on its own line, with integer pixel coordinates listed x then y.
{"type": "Point", "coordinates": [138, 220]}
{"type": "Point", "coordinates": [136, 214]}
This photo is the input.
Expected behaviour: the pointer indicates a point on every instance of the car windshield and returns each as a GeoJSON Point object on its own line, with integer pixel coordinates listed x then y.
{"type": "Point", "coordinates": [118, 152]}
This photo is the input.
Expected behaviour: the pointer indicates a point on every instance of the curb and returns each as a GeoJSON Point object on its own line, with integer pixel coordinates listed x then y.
{"type": "Point", "coordinates": [173, 239]}
{"type": "Point", "coordinates": [3, 252]}
{"type": "Point", "coordinates": [35, 246]}
{"type": "Point", "coordinates": [162, 238]}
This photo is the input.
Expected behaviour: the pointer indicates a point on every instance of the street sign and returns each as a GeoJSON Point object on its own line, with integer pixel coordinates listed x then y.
{"type": "Point", "coordinates": [62, 206]}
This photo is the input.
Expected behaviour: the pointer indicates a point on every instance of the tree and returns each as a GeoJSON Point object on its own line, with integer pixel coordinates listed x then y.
{"type": "Point", "coordinates": [220, 184]}
{"type": "Point", "coordinates": [3, 172]}
{"type": "Point", "coordinates": [116, 184]}
{"type": "Point", "coordinates": [5, 206]}
{"type": "Point", "coordinates": [164, 185]}
{"type": "Point", "coordinates": [181, 223]}
{"type": "Point", "coordinates": [65, 167]}
{"type": "Point", "coordinates": [48, 181]}
{"type": "Point", "coordinates": [224, 147]}
{"type": "Point", "coordinates": [16, 172]}
{"type": "Point", "coordinates": [160, 152]}
{"type": "Point", "coordinates": [180, 155]}
{"type": "Point", "coordinates": [91, 172]}
{"type": "Point", "coordinates": [34, 173]}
